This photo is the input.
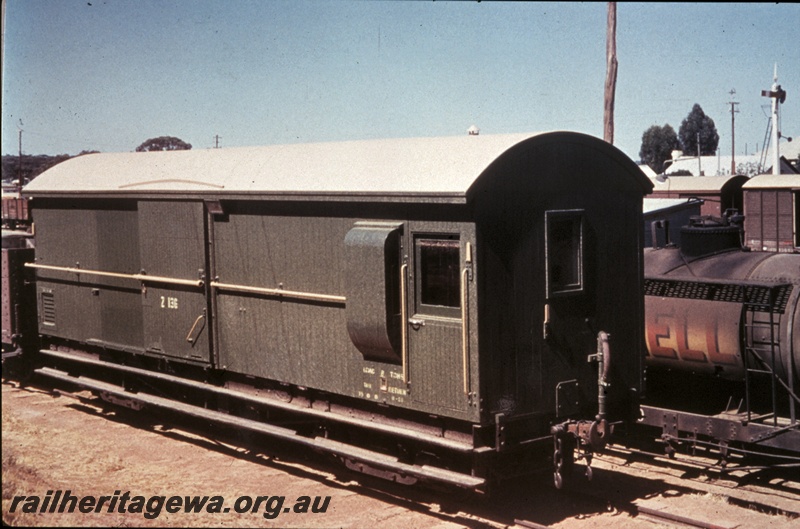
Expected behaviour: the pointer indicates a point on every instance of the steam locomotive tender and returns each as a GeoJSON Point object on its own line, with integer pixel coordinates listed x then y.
{"type": "Point", "coordinates": [726, 320]}
{"type": "Point", "coordinates": [442, 309]}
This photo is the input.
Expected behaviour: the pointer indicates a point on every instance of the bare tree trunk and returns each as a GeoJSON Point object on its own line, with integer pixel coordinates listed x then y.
{"type": "Point", "coordinates": [611, 73]}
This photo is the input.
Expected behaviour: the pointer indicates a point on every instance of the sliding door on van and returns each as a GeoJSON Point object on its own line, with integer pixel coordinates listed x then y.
{"type": "Point", "coordinates": [172, 239]}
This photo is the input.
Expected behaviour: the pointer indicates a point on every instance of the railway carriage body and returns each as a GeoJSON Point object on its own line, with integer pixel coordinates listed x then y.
{"type": "Point", "coordinates": [449, 288]}
{"type": "Point", "coordinates": [19, 317]}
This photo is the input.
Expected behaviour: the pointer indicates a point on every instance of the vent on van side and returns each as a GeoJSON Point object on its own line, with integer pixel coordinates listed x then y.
{"type": "Point", "coordinates": [48, 307]}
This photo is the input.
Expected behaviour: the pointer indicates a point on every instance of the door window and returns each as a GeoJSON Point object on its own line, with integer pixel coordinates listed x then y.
{"type": "Point", "coordinates": [438, 286]}
{"type": "Point", "coordinates": [564, 252]}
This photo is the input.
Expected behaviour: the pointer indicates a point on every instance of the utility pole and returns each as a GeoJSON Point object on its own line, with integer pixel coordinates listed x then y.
{"type": "Point", "coordinates": [19, 166]}
{"type": "Point", "coordinates": [611, 73]}
{"type": "Point", "coordinates": [699, 167]}
{"type": "Point", "coordinates": [734, 111]}
{"type": "Point", "coordinates": [216, 141]}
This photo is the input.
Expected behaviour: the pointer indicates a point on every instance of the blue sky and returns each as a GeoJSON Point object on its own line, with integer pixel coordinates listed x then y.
{"type": "Point", "coordinates": [108, 74]}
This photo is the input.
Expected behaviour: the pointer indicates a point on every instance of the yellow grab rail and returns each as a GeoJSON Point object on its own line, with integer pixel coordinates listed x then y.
{"type": "Point", "coordinates": [404, 320]}
{"type": "Point", "coordinates": [135, 277]}
{"type": "Point", "coordinates": [279, 292]}
{"type": "Point", "coordinates": [465, 329]}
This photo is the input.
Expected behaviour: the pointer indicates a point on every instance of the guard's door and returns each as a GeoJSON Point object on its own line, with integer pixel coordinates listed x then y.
{"type": "Point", "coordinates": [172, 241]}
{"type": "Point", "coordinates": [439, 271]}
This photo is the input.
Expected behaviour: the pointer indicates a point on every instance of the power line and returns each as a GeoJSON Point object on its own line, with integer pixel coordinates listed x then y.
{"type": "Point", "coordinates": [83, 142]}
{"type": "Point", "coordinates": [734, 111]}
{"type": "Point", "coordinates": [19, 166]}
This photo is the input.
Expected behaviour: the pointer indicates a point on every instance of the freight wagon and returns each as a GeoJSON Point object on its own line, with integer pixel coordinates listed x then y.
{"type": "Point", "coordinates": [443, 309]}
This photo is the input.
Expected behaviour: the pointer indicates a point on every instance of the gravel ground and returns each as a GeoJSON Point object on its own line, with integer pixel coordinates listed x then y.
{"type": "Point", "coordinates": [58, 443]}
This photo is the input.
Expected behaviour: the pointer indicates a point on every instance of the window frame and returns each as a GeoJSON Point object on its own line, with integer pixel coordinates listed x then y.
{"type": "Point", "coordinates": [577, 219]}
{"type": "Point", "coordinates": [428, 309]}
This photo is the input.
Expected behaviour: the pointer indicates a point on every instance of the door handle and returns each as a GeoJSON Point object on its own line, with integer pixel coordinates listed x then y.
{"type": "Point", "coordinates": [191, 337]}
{"type": "Point", "coordinates": [416, 324]}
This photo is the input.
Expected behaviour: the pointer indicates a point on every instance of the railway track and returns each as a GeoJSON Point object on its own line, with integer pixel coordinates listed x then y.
{"type": "Point", "coordinates": [628, 489]}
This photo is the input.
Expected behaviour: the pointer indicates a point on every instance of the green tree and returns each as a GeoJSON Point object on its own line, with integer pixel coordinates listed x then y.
{"type": "Point", "coordinates": [657, 146]}
{"type": "Point", "coordinates": [30, 166]}
{"type": "Point", "coordinates": [164, 143]}
{"type": "Point", "coordinates": [698, 123]}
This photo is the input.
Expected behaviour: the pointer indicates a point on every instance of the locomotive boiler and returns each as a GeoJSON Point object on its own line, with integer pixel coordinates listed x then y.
{"type": "Point", "coordinates": [441, 309]}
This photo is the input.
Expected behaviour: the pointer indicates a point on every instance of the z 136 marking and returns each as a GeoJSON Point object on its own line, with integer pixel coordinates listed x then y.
{"type": "Point", "coordinates": [169, 303]}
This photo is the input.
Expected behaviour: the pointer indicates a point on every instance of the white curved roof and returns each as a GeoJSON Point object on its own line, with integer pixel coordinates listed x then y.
{"type": "Point", "coordinates": [394, 166]}
{"type": "Point", "coordinates": [651, 205]}
{"type": "Point", "coordinates": [770, 181]}
{"type": "Point", "coordinates": [691, 183]}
